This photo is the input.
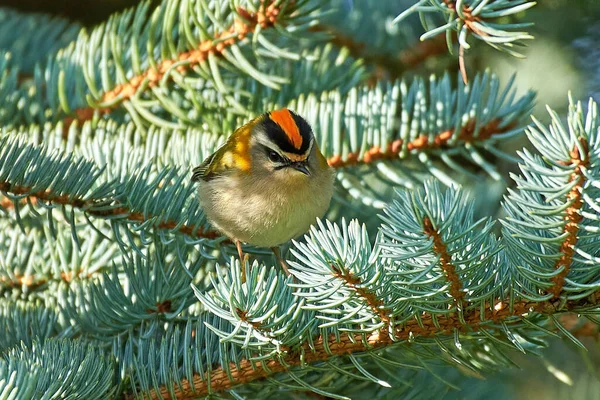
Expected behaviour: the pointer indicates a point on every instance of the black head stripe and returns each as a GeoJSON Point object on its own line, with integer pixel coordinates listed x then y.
{"type": "Point", "coordinates": [278, 136]}
{"type": "Point", "coordinates": [305, 131]}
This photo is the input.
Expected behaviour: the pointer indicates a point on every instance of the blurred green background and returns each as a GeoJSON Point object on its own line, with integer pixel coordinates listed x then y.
{"type": "Point", "coordinates": [565, 56]}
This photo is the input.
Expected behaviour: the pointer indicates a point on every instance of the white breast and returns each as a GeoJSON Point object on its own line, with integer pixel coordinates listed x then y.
{"type": "Point", "coordinates": [263, 212]}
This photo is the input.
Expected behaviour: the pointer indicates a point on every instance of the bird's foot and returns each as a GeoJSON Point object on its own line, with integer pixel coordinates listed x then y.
{"type": "Point", "coordinates": [244, 259]}
{"type": "Point", "coordinates": [281, 261]}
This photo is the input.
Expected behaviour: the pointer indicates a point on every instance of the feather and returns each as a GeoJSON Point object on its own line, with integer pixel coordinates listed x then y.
{"type": "Point", "coordinates": [233, 154]}
{"type": "Point", "coordinates": [202, 171]}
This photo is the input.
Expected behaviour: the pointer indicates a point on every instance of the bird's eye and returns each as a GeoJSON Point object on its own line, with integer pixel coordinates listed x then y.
{"type": "Point", "coordinates": [274, 157]}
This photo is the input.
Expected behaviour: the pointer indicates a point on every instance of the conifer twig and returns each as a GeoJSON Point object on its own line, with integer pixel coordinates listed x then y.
{"type": "Point", "coordinates": [265, 17]}
{"type": "Point", "coordinates": [572, 217]}
{"type": "Point", "coordinates": [422, 143]}
{"type": "Point", "coordinates": [445, 261]}
{"type": "Point", "coordinates": [370, 298]}
{"type": "Point", "coordinates": [32, 283]}
{"type": "Point", "coordinates": [87, 206]}
{"type": "Point", "coordinates": [325, 348]}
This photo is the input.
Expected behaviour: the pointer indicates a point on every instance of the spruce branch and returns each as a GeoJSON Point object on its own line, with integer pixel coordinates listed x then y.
{"type": "Point", "coordinates": [473, 18]}
{"type": "Point", "coordinates": [345, 271]}
{"type": "Point", "coordinates": [26, 322]}
{"type": "Point", "coordinates": [424, 143]}
{"type": "Point", "coordinates": [322, 349]}
{"type": "Point", "coordinates": [425, 248]}
{"type": "Point", "coordinates": [377, 289]}
{"type": "Point", "coordinates": [420, 123]}
{"type": "Point", "coordinates": [396, 125]}
{"type": "Point", "coordinates": [107, 200]}
{"type": "Point", "coordinates": [113, 284]}
{"type": "Point", "coordinates": [369, 297]}
{"type": "Point", "coordinates": [46, 368]}
{"type": "Point", "coordinates": [346, 284]}
{"type": "Point", "coordinates": [152, 288]}
{"type": "Point", "coordinates": [185, 58]}
{"type": "Point", "coordinates": [389, 51]}
{"type": "Point", "coordinates": [552, 226]}
{"type": "Point", "coordinates": [97, 208]}
{"type": "Point", "coordinates": [265, 17]}
{"type": "Point", "coordinates": [572, 217]}
{"type": "Point", "coordinates": [267, 326]}
{"type": "Point", "coordinates": [33, 283]}
{"type": "Point", "coordinates": [446, 261]}
{"type": "Point", "coordinates": [36, 257]}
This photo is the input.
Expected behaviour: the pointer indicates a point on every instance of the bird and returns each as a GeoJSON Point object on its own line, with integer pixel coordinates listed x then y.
{"type": "Point", "coordinates": [266, 184]}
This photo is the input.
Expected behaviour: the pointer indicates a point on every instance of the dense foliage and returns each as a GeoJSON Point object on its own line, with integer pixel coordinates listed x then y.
{"type": "Point", "coordinates": [113, 284]}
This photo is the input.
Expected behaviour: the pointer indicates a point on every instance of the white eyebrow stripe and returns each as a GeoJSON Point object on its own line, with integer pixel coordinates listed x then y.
{"type": "Point", "coordinates": [261, 138]}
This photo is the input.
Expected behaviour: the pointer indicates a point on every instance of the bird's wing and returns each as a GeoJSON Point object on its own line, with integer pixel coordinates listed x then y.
{"type": "Point", "coordinates": [234, 154]}
{"type": "Point", "coordinates": [210, 167]}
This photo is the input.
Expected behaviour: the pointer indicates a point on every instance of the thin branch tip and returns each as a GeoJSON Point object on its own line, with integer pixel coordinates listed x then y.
{"type": "Point", "coordinates": [572, 216]}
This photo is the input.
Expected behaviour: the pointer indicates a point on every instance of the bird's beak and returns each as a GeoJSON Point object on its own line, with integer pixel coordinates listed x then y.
{"type": "Point", "coordinates": [302, 167]}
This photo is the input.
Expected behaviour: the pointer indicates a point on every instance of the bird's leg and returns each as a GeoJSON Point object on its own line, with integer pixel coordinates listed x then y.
{"type": "Point", "coordinates": [281, 260]}
{"type": "Point", "coordinates": [243, 259]}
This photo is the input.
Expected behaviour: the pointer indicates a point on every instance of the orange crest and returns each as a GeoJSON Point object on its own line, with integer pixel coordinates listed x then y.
{"type": "Point", "coordinates": [285, 120]}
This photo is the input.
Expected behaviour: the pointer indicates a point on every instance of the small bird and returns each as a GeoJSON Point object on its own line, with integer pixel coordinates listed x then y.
{"type": "Point", "coordinates": [267, 184]}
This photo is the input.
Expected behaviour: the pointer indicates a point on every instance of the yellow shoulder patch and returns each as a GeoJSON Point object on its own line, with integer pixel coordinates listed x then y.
{"type": "Point", "coordinates": [240, 156]}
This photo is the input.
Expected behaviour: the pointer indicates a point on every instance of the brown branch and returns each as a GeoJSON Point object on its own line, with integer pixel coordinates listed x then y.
{"type": "Point", "coordinates": [325, 348]}
{"type": "Point", "coordinates": [422, 143]}
{"type": "Point", "coordinates": [469, 18]}
{"type": "Point", "coordinates": [469, 21]}
{"type": "Point", "coordinates": [370, 298]}
{"type": "Point", "coordinates": [445, 260]}
{"type": "Point", "coordinates": [243, 315]}
{"type": "Point", "coordinates": [162, 307]}
{"type": "Point", "coordinates": [32, 283]}
{"type": "Point", "coordinates": [572, 217]}
{"type": "Point", "coordinates": [87, 206]}
{"type": "Point", "coordinates": [461, 64]}
{"type": "Point", "coordinates": [265, 17]}
{"type": "Point", "coordinates": [6, 203]}
{"type": "Point", "coordinates": [22, 280]}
